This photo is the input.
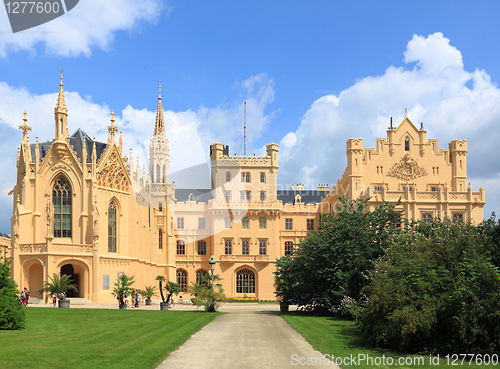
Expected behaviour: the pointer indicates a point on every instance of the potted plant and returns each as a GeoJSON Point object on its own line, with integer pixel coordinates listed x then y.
{"type": "Point", "coordinates": [163, 303]}
{"type": "Point", "coordinates": [123, 286]}
{"type": "Point", "coordinates": [147, 293]}
{"type": "Point", "coordinates": [58, 285]}
{"type": "Point", "coordinates": [172, 289]}
{"type": "Point", "coordinates": [206, 296]}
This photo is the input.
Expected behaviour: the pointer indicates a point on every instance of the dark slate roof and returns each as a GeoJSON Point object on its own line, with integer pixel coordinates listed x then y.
{"type": "Point", "coordinates": [4, 235]}
{"type": "Point", "coordinates": [307, 196]}
{"type": "Point", "coordinates": [76, 141]}
{"type": "Point", "coordinates": [200, 195]}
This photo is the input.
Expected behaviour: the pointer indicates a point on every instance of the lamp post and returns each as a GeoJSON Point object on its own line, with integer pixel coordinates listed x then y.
{"type": "Point", "coordinates": [212, 265]}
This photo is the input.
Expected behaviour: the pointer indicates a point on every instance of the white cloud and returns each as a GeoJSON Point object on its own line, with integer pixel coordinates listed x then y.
{"type": "Point", "coordinates": [90, 24]}
{"type": "Point", "coordinates": [435, 91]}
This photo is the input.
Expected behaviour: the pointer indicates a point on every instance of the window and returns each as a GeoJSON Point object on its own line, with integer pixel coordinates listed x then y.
{"type": "Point", "coordinates": [182, 280]}
{"type": "Point", "coordinates": [262, 196]}
{"type": "Point", "coordinates": [262, 247]}
{"type": "Point", "coordinates": [164, 173]}
{"type": "Point", "coordinates": [245, 247]}
{"type": "Point", "coordinates": [244, 223]}
{"type": "Point", "coordinates": [378, 188]}
{"type": "Point", "coordinates": [112, 227]}
{"type": "Point", "coordinates": [61, 200]}
{"type": "Point", "coordinates": [201, 277]}
{"type": "Point", "coordinates": [228, 195]}
{"type": "Point", "coordinates": [262, 223]}
{"type": "Point", "coordinates": [247, 177]}
{"type": "Point", "coordinates": [410, 189]}
{"type": "Point", "coordinates": [407, 145]}
{"type": "Point", "coordinates": [426, 217]}
{"type": "Point", "coordinates": [228, 176]}
{"type": "Point", "coordinates": [180, 223]}
{"type": "Point", "coordinates": [160, 206]}
{"type": "Point", "coordinates": [227, 222]}
{"type": "Point", "coordinates": [289, 247]}
{"type": "Point", "coordinates": [245, 281]}
{"type": "Point", "coordinates": [245, 196]}
{"type": "Point", "coordinates": [181, 247]}
{"type": "Point", "coordinates": [202, 247]}
{"type": "Point", "coordinates": [434, 189]}
{"type": "Point", "coordinates": [310, 224]}
{"type": "Point", "coordinates": [288, 224]}
{"type": "Point", "coordinates": [158, 173]}
{"type": "Point", "coordinates": [160, 239]}
{"type": "Point", "coordinates": [228, 247]}
{"type": "Point", "coordinates": [458, 217]}
{"type": "Point", "coordinates": [262, 177]}
{"type": "Point", "coordinates": [201, 223]}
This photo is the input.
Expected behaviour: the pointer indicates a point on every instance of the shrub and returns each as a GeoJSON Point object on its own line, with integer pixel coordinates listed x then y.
{"type": "Point", "coordinates": [435, 290]}
{"type": "Point", "coordinates": [12, 315]}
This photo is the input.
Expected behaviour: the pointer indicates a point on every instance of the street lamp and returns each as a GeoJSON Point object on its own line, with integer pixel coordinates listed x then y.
{"type": "Point", "coordinates": [212, 265]}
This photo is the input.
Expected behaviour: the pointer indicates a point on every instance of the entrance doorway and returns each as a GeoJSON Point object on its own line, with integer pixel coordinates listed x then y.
{"type": "Point", "coordinates": [69, 270]}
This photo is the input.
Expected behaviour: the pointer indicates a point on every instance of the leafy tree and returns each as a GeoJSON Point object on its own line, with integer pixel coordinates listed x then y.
{"type": "Point", "coordinates": [436, 280]}
{"type": "Point", "coordinates": [12, 315]}
{"type": "Point", "coordinates": [492, 230]}
{"type": "Point", "coordinates": [123, 286]}
{"type": "Point", "coordinates": [58, 285]}
{"type": "Point", "coordinates": [333, 261]}
{"type": "Point", "coordinates": [205, 296]}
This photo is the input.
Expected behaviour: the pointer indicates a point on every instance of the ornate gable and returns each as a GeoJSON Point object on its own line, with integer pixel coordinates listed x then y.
{"type": "Point", "coordinates": [111, 172]}
{"type": "Point", "coordinates": [61, 156]}
{"type": "Point", "coordinates": [406, 169]}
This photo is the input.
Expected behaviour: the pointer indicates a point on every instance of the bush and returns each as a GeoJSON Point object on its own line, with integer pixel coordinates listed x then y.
{"type": "Point", "coordinates": [435, 290]}
{"type": "Point", "coordinates": [12, 315]}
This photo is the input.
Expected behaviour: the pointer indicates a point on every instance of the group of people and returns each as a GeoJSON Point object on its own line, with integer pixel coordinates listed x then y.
{"type": "Point", "coordinates": [136, 298]}
{"type": "Point", "coordinates": [25, 296]}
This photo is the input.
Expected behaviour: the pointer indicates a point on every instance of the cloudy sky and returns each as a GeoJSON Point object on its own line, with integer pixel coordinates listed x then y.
{"type": "Point", "coordinates": [313, 74]}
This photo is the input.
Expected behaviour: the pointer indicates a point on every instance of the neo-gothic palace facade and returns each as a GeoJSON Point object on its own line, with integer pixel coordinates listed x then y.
{"type": "Point", "coordinates": [82, 208]}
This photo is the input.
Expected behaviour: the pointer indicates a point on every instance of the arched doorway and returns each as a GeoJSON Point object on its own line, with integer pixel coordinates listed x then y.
{"type": "Point", "coordinates": [69, 270]}
{"type": "Point", "coordinates": [34, 277]}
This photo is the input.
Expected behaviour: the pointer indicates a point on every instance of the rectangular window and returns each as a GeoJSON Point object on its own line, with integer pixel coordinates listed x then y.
{"type": "Point", "coordinates": [310, 224]}
{"type": "Point", "coordinates": [245, 247]}
{"type": "Point", "coordinates": [262, 223]}
{"type": "Point", "coordinates": [262, 247]}
{"type": "Point", "coordinates": [242, 196]}
{"type": "Point", "coordinates": [181, 247]}
{"type": "Point", "coordinates": [180, 223]}
{"type": "Point", "coordinates": [458, 217]}
{"type": "Point", "coordinates": [228, 176]}
{"type": "Point", "coordinates": [288, 248]}
{"type": "Point", "coordinates": [201, 223]}
{"type": "Point", "coordinates": [262, 196]}
{"type": "Point", "coordinates": [202, 247]}
{"type": "Point", "coordinates": [378, 188]}
{"type": "Point", "coordinates": [228, 195]}
{"type": "Point", "coordinates": [228, 247]}
{"type": "Point", "coordinates": [288, 224]}
{"type": "Point", "coordinates": [427, 217]}
{"type": "Point", "coordinates": [245, 196]}
{"type": "Point", "coordinates": [227, 222]}
{"type": "Point", "coordinates": [262, 177]}
{"type": "Point", "coordinates": [247, 177]}
{"type": "Point", "coordinates": [248, 196]}
{"type": "Point", "coordinates": [434, 189]}
{"type": "Point", "coordinates": [244, 223]}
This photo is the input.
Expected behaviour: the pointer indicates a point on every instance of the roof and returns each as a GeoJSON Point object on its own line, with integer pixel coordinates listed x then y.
{"type": "Point", "coordinates": [307, 196]}
{"type": "Point", "coordinates": [4, 235]}
{"type": "Point", "coordinates": [76, 141]}
{"type": "Point", "coordinates": [200, 195]}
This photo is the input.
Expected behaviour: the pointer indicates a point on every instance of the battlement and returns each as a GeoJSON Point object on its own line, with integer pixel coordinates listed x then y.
{"type": "Point", "coordinates": [458, 145]}
{"type": "Point", "coordinates": [354, 143]}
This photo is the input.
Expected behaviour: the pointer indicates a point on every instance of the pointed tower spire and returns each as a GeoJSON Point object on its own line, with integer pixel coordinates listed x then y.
{"type": "Point", "coordinates": [25, 128]}
{"type": "Point", "coordinates": [112, 129]}
{"type": "Point", "coordinates": [159, 124]}
{"type": "Point", "coordinates": [61, 113]}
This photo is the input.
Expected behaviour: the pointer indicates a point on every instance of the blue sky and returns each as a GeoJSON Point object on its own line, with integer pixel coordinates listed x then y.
{"type": "Point", "coordinates": [313, 74]}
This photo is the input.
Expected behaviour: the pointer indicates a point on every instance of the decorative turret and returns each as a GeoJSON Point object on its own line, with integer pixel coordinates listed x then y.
{"type": "Point", "coordinates": [159, 151]}
{"type": "Point", "coordinates": [61, 114]}
{"type": "Point", "coordinates": [112, 129]}
{"type": "Point", "coordinates": [458, 158]}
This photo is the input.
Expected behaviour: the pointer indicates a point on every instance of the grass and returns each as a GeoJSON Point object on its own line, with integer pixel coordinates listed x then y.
{"type": "Point", "coordinates": [342, 338]}
{"type": "Point", "coordinates": [92, 338]}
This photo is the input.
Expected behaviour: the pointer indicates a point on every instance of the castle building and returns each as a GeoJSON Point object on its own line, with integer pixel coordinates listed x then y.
{"type": "Point", "coordinates": [83, 209]}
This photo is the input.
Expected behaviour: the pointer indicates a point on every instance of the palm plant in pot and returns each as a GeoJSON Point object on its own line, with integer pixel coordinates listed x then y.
{"type": "Point", "coordinates": [172, 289]}
{"type": "Point", "coordinates": [59, 285]}
{"type": "Point", "coordinates": [163, 303]}
{"type": "Point", "coordinates": [123, 286]}
{"type": "Point", "coordinates": [147, 293]}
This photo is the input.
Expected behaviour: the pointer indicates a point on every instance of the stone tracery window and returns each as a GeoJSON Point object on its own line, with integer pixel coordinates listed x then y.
{"type": "Point", "coordinates": [112, 227]}
{"type": "Point", "coordinates": [199, 277]}
{"type": "Point", "coordinates": [182, 279]}
{"type": "Point", "coordinates": [245, 281]}
{"type": "Point", "coordinates": [61, 200]}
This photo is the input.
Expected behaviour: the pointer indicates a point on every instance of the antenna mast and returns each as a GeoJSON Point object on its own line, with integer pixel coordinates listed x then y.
{"type": "Point", "coordinates": [245, 131]}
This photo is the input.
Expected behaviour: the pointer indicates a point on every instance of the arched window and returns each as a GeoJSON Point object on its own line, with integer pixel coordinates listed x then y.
{"type": "Point", "coordinates": [164, 173]}
{"type": "Point", "coordinates": [61, 200]}
{"type": "Point", "coordinates": [407, 145]}
{"type": "Point", "coordinates": [199, 277]}
{"type": "Point", "coordinates": [245, 281]}
{"type": "Point", "coordinates": [427, 217]}
{"type": "Point", "coordinates": [158, 173]}
{"type": "Point", "coordinates": [182, 279]}
{"type": "Point", "coordinates": [112, 227]}
{"type": "Point", "coordinates": [160, 239]}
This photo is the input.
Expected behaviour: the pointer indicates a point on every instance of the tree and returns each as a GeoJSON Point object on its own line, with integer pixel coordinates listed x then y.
{"type": "Point", "coordinates": [12, 315]}
{"type": "Point", "coordinates": [123, 286]}
{"type": "Point", "coordinates": [436, 280]}
{"type": "Point", "coordinates": [333, 261]}
{"type": "Point", "coordinates": [160, 280]}
{"type": "Point", "coordinates": [492, 229]}
{"type": "Point", "coordinates": [205, 296]}
{"type": "Point", "coordinates": [148, 292]}
{"type": "Point", "coordinates": [172, 289]}
{"type": "Point", "coordinates": [58, 285]}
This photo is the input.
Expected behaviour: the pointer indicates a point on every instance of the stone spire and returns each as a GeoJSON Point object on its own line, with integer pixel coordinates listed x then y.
{"type": "Point", "coordinates": [61, 113]}
{"type": "Point", "coordinates": [159, 124]}
{"type": "Point", "coordinates": [25, 128]}
{"type": "Point", "coordinates": [112, 129]}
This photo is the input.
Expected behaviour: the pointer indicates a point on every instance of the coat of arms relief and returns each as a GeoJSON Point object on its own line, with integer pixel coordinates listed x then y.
{"type": "Point", "coordinates": [406, 169]}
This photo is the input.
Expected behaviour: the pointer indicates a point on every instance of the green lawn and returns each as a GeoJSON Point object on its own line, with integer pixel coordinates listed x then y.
{"type": "Point", "coordinates": [91, 338]}
{"type": "Point", "coordinates": [342, 338]}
